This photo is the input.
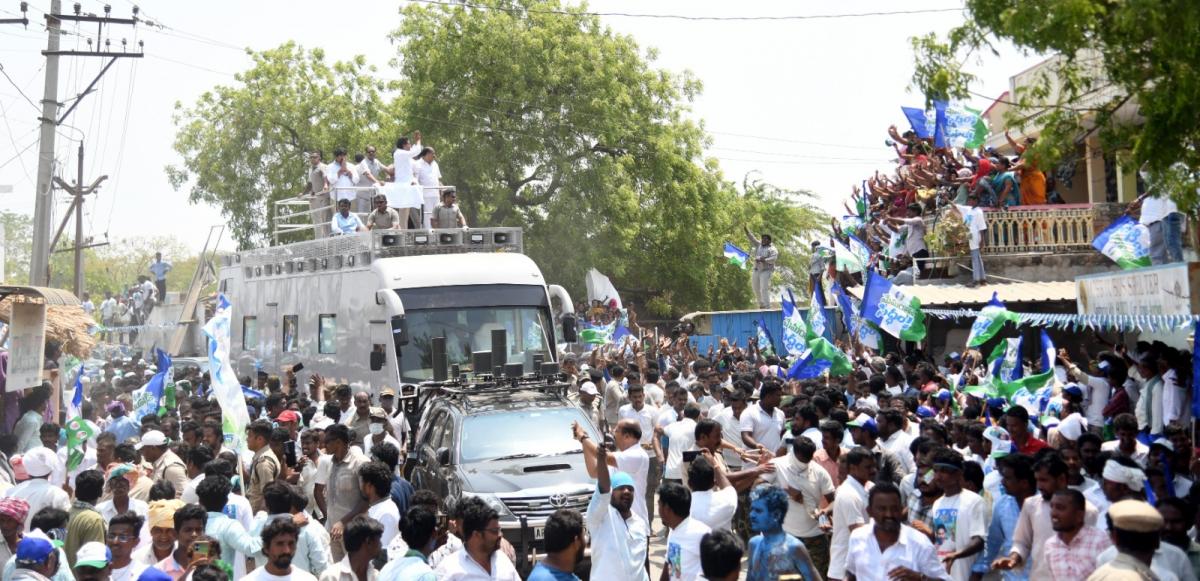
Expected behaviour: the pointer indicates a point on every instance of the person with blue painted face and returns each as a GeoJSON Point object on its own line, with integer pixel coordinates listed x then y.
{"type": "Point", "coordinates": [773, 552]}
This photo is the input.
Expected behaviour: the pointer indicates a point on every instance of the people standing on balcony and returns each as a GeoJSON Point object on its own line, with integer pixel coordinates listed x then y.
{"type": "Point", "coordinates": [429, 177]}
{"type": "Point", "coordinates": [765, 254]}
{"type": "Point", "coordinates": [914, 238]}
{"type": "Point", "coordinates": [1008, 190]}
{"type": "Point", "coordinates": [1033, 181]}
{"type": "Point", "coordinates": [1164, 220]}
{"type": "Point", "coordinates": [317, 189]}
{"type": "Point", "coordinates": [976, 225]}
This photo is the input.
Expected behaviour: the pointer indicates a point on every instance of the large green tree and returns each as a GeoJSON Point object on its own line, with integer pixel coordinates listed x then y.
{"type": "Point", "coordinates": [244, 146]}
{"type": "Point", "coordinates": [1115, 57]}
{"type": "Point", "coordinates": [542, 118]}
{"type": "Point", "coordinates": [548, 119]}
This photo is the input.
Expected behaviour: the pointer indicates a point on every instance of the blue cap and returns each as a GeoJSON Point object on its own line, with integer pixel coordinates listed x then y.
{"type": "Point", "coordinates": [1074, 390]}
{"type": "Point", "coordinates": [865, 422]}
{"type": "Point", "coordinates": [954, 356]}
{"type": "Point", "coordinates": [925, 412]}
{"type": "Point", "coordinates": [943, 394]}
{"type": "Point", "coordinates": [154, 574]}
{"type": "Point", "coordinates": [34, 550]}
{"type": "Point", "coordinates": [620, 479]}
{"type": "Point", "coordinates": [996, 402]}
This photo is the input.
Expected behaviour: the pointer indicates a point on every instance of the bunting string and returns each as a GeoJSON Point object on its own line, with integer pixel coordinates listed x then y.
{"type": "Point", "coordinates": [1122, 323]}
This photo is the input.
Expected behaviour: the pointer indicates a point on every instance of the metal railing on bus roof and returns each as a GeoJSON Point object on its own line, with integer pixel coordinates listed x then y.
{"type": "Point", "coordinates": [289, 219]}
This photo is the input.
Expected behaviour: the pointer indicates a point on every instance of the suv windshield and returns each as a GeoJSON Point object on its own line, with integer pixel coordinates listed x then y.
{"type": "Point", "coordinates": [528, 433]}
{"type": "Point", "coordinates": [470, 329]}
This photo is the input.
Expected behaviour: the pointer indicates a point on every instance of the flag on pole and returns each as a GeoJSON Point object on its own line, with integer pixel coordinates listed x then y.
{"type": "Point", "coordinates": [766, 345]}
{"type": "Point", "coordinates": [795, 330]}
{"type": "Point", "coordinates": [817, 326]}
{"type": "Point", "coordinates": [822, 355]}
{"type": "Point", "coordinates": [1006, 360]}
{"type": "Point", "coordinates": [845, 305]}
{"type": "Point", "coordinates": [146, 400]}
{"type": "Point", "coordinates": [845, 259]}
{"type": "Point", "coordinates": [225, 385]}
{"type": "Point", "coordinates": [1126, 242]}
{"type": "Point", "coordinates": [1032, 383]}
{"type": "Point", "coordinates": [736, 256]}
{"type": "Point", "coordinates": [989, 322]}
{"type": "Point", "coordinates": [598, 334]}
{"type": "Point", "coordinates": [1049, 353]}
{"type": "Point", "coordinates": [77, 397]}
{"type": "Point", "coordinates": [862, 252]}
{"type": "Point", "coordinates": [893, 311]}
{"type": "Point", "coordinates": [600, 288]}
{"type": "Point", "coordinates": [78, 429]}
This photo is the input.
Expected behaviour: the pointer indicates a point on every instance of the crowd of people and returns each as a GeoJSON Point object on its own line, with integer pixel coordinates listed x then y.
{"type": "Point", "coordinates": [948, 189]}
{"type": "Point", "coordinates": [131, 306]}
{"type": "Point", "coordinates": [336, 188]}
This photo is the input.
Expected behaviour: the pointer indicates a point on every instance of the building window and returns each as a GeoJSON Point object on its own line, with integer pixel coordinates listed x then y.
{"type": "Point", "coordinates": [249, 333]}
{"type": "Point", "coordinates": [327, 334]}
{"type": "Point", "coordinates": [291, 324]}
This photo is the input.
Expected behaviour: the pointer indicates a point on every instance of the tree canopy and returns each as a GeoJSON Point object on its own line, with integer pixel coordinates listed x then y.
{"type": "Point", "coordinates": [542, 118]}
{"type": "Point", "coordinates": [1114, 56]}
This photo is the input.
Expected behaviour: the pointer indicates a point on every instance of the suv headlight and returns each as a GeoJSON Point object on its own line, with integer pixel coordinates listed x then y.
{"type": "Point", "coordinates": [492, 500]}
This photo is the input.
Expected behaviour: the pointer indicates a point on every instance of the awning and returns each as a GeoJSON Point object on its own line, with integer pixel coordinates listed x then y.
{"type": "Point", "coordinates": [50, 296]}
{"type": "Point", "coordinates": [1010, 292]}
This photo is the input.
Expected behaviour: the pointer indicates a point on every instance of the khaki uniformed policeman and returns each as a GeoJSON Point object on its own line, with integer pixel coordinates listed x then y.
{"type": "Point", "coordinates": [1134, 527]}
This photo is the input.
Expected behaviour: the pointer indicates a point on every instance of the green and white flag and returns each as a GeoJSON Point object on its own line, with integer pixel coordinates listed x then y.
{"type": "Point", "coordinates": [1007, 389]}
{"type": "Point", "coordinates": [736, 256]}
{"type": "Point", "coordinates": [1005, 361]}
{"type": "Point", "coordinates": [599, 335]}
{"type": "Point", "coordinates": [989, 322]}
{"type": "Point", "coordinates": [1126, 242]}
{"type": "Point", "coordinates": [78, 433]}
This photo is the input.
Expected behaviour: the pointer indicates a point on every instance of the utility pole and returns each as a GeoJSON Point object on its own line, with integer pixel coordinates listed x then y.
{"type": "Point", "coordinates": [39, 264]}
{"type": "Point", "coordinates": [39, 269]}
{"type": "Point", "coordinates": [78, 191]}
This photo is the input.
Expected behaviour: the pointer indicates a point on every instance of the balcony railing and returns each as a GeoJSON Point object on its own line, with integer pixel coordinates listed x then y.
{"type": "Point", "coordinates": [1052, 228]}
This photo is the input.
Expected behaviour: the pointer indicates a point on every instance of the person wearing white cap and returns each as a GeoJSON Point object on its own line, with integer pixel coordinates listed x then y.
{"type": "Point", "coordinates": [38, 491]}
{"type": "Point", "coordinates": [1123, 479]}
{"type": "Point", "coordinates": [93, 562]}
{"type": "Point", "coordinates": [585, 400]}
{"type": "Point", "coordinates": [166, 465]}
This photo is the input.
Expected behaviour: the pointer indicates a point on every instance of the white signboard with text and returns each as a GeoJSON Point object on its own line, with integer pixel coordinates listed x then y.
{"type": "Point", "coordinates": [1156, 290]}
{"type": "Point", "coordinates": [27, 346]}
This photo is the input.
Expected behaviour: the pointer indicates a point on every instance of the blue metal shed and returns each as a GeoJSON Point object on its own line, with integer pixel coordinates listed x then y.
{"type": "Point", "coordinates": [711, 326]}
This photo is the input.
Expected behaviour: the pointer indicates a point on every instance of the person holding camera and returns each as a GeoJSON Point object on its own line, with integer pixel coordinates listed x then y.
{"type": "Point", "coordinates": [627, 456]}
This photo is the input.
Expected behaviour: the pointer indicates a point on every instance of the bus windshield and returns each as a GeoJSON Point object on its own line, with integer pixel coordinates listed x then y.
{"type": "Point", "coordinates": [470, 329]}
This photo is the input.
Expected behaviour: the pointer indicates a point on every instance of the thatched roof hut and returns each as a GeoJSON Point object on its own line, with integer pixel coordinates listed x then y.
{"type": "Point", "coordinates": [66, 323]}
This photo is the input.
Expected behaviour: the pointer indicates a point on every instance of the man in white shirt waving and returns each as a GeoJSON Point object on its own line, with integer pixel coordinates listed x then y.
{"type": "Point", "coordinates": [619, 535]}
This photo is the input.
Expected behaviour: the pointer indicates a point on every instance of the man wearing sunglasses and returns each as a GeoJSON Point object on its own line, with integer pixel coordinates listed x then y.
{"type": "Point", "coordinates": [383, 217]}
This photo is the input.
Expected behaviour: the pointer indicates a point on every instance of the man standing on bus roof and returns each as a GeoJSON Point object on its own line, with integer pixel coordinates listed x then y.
{"type": "Point", "coordinates": [317, 188]}
{"type": "Point", "coordinates": [345, 222]}
{"type": "Point", "coordinates": [448, 215]}
{"type": "Point", "coordinates": [342, 176]}
{"type": "Point", "coordinates": [160, 268]}
{"type": "Point", "coordinates": [429, 176]}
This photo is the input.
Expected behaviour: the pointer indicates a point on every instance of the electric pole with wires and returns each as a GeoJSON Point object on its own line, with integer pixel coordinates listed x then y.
{"type": "Point", "coordinates": [39, 267]}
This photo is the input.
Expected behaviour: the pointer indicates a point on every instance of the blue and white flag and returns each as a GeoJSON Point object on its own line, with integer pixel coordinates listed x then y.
{"type": "Point", "coordinates": [766, 345]}
{"type": "Point", "coordinates": [821, 356]}
{"type": "Point", "coordinates": [1006, 360]}
{"type": "Point", "coordinates": [795, 330]}
{"type": "Point", "coordinates": [862, 252]}
{"type": "Point", "coordinates": [736, 256]}
{"type": "Point", "coordinates": [893, 311]}
{"type": "Point", "coordinates": [225, 385]}
{"type": "Point", "coordinates": [990, 320]}
{"type": "Point", "coordinates": [77, 397]}
{"type": "Point", "coordinates": [846, 306]}
{"type": "Point", "coordinates": [1049, 353]}
{"type": "Point", "coordinates": [817, 326]}
{"type": "Point", "coordinates": [146, 399]}
{"type": "Point", "coordinates": [1126, 242]}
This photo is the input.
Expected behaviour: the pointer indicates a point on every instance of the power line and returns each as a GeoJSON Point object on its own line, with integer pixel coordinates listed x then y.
{"type": "Point", "coordinates": [194, 66]}
{"type": "Point", "coordinates": [686, 17]}
{"type": "Point", "coordinates": [19, 90]}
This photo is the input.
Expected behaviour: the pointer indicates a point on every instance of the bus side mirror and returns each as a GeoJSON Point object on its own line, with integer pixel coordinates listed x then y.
{"type": "Point", "coordinates": [399, 331]}
{"type": "Point", "coordinates": [570, 333]}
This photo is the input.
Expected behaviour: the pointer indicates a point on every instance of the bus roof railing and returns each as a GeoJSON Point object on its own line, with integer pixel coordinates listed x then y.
{"type": "Point", "coordinates": [295, 214]}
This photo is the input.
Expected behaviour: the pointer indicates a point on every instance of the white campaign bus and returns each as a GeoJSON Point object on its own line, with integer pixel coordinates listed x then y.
{"type": "Point", "coordinates": [364, 308]}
